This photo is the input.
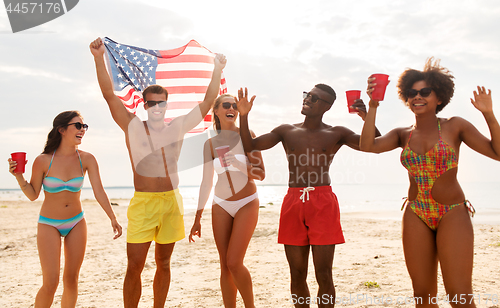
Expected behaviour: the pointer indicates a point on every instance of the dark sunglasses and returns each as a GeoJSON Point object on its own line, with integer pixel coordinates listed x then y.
{"type": "Point", "coordinates": [228, 105]}
{"type": "Point", "coordinates": [151, 104]}
{"type": "Point", "coordinates": [79, 125]}
{"type": "Point", "coordinates": [314, 97]}
{"type": "Point", "coordinates": [424, 92]}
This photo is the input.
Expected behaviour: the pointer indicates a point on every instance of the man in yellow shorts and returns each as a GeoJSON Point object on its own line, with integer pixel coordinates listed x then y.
{"type": "Point", "coordinates": [155, 212]}
{"type": "Point", "coordinates": [155, 216]}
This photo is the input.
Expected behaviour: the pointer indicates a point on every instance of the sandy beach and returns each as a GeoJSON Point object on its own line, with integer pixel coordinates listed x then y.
{"type": "Point", "coordinates": [372, 255]}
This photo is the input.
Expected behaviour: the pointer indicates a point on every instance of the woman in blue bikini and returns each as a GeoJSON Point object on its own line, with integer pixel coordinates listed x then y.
{"type": "Point", "coordinates": [60, 170]}
{"type": "Point", "coordinates": [235, 208]}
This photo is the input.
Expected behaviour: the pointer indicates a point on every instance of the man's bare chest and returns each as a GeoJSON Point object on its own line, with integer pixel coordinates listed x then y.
{"type": "Point", "coordinates": [321, 142]}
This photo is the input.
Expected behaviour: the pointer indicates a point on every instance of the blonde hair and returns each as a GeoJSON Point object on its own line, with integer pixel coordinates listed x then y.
{"type": "Point", "coordinates": [215, 118]}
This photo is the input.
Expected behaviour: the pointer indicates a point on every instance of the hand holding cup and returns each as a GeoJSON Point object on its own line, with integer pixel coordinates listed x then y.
{"type": "Point", "coordinates": [377, 83]}
{"type": "Point", "coordinates": [17, 162]}
{"type": "Point", "coordinates": [231, 160]}
{"type": "Point", "coordinates": [352, 96]}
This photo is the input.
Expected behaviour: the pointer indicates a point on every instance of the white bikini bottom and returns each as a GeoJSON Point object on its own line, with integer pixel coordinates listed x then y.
{"type": "Point", "coordinates": [232, 207]}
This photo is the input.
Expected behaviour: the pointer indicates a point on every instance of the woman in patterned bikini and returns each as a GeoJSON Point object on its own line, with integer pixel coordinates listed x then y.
{"type": "Point", "coordinates": [436, 223]}
{"type": "Point", "coordinates": [60, 170]}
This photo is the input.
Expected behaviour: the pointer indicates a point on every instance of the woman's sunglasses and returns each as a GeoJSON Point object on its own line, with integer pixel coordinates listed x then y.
{"type": "Point", "coordinates": [151, 104]}
{"type": "Point", "coordinates": [228, 105]}
{"type": "Point", "coordinates": [79, 125]}
{"type": "Point", "coordinates": [424, 92]}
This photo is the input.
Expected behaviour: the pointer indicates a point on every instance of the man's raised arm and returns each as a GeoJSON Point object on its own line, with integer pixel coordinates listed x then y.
{"type": "Point", "coordinates": [120, 114]}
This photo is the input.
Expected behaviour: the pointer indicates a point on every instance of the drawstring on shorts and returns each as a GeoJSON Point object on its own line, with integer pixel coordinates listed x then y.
{"type": "Point", "coordinates": [305, 192]}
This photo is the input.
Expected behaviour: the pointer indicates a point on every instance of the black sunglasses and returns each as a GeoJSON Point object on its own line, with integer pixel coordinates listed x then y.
{"type": "Point", "coordinates": [424, 92]}
{"type": "Point", "coordinates": [314, 97]}
{"type": "Point", "coordinates": [227, 105]}
{"type": "Point", "coordinates": [79, 125]}
{"type": "Point", "coordinates": [151, 104]}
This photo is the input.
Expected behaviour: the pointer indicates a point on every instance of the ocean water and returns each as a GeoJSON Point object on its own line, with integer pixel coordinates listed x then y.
{"type": "Point", "coordinates": [352, 197]}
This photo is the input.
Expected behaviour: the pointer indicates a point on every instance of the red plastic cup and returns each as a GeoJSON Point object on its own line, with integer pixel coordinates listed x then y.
{"type": "Point", "coordinates": [20, 158]}
{"type": "Point", "coordinates": [221, 151]}
{"type": "Point", "coordinates": [352, 95]}
{"type": "Point", "coordinates": [382, 80]}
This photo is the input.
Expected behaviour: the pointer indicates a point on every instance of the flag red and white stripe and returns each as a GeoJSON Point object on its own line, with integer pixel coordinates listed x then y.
{"type": "Point", "coordinates": [185, 72]}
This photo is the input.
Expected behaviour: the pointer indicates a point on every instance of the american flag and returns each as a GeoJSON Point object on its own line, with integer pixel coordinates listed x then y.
{"type": "Point", "coordinates": [185, 72]}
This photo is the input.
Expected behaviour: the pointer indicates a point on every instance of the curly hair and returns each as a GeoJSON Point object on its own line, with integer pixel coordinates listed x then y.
{"type": "Point", "coordinates": [215, 119]}
{"type": "Point", "coordinates": [437, 77]}
{"type": "Point", "coordinates": [54, 138]}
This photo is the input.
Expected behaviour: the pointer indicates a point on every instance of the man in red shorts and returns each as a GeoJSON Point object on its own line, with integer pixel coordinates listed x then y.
{"type": "Point", "coordinates": [310, 218]}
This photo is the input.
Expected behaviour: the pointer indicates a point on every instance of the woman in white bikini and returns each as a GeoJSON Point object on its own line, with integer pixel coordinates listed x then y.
{"type": "Point", "coordinates": [235, 208]}
{"type": "Point", "coordinates": [60, 170]}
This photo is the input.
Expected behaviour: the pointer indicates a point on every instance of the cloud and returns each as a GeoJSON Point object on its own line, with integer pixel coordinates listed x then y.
{"type": "Point", "coordinates": [22, 71]}
{"type": "Point", "coordinates": [137, 23]}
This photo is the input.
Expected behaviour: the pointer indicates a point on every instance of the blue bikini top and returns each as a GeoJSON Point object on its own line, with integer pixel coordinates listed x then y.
{"type": "Point", "coordinates": [55, 185]}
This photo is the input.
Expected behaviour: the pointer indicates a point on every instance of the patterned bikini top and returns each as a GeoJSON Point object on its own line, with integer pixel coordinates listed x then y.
{"type": "Point", "coordinates": [428, 167]}
{"type": "Point", "coordinates": [55, 185]}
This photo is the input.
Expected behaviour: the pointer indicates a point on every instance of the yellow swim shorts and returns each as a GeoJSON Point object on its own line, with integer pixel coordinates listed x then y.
{"type": "Point", "coordinates": [157, 216]}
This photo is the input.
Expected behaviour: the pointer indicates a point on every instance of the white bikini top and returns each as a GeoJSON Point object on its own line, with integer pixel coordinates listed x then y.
{"type": "Point", "coordinates": [218, 166]}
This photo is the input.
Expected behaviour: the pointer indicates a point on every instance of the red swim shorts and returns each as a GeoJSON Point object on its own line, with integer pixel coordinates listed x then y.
{"type": "Point", "coordinates": [310, 216]}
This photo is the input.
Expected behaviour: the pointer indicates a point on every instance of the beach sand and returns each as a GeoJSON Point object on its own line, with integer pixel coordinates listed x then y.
{"type": "Point", "coordinates": [372, 253]}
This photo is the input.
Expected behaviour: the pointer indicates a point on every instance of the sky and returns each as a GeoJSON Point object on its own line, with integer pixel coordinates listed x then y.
{"type": "Point", "coordinates": [277, 49]}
